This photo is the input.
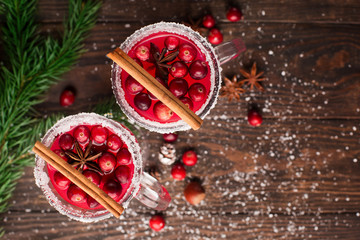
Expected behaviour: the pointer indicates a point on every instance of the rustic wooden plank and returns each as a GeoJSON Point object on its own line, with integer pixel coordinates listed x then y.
{"type": "Point", "coordinates": [128, 11]}
{"type": "Point", "coordinates": [312, 72]}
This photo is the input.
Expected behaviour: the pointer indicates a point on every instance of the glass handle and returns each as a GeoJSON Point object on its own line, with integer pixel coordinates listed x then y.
{"type": "Point", "coordinates": [152, 193]}
{"type": "Point", "coordinates": [229, 50]}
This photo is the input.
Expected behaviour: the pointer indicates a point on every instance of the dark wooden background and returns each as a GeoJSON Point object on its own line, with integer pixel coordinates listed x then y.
{"type": "Point", "coordinates": [294, 177]}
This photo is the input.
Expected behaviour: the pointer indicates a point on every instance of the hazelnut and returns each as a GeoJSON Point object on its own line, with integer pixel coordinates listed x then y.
{"type": "Point", "coordinates": [194, 193]}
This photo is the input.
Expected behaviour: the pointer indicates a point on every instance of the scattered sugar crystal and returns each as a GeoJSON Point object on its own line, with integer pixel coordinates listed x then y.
{"type": "Point", "coordinates": [262, 12]}
{"type": "Point", "coordinates": [355, 160]}
{"type": "Point", "coordinates": [271, 52]}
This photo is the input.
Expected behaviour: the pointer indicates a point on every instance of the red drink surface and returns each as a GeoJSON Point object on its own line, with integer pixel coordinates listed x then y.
{"type": "Point", "coordinates": [158, 39]}
{"type": "Point", "coordinates": [104, 177]}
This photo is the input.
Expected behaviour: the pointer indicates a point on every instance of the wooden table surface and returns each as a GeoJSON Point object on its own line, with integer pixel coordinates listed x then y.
{"type": "Point", "coordinates": [294, 177]}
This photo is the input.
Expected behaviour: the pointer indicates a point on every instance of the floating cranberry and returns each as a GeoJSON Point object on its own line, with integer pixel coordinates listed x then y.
{"type": "Point", "coordinates": [138, 62]}
{"type": "Point", "coordinates": [197, 92]}
{"type": "Point", "coordinates": [61, 154]}
{"type": "Point", "coordinates": [142, 53]}
{"type": "Point", "coordinates": [208, 21]}
{"type": "Point", "coordinates": [170, 137]}
{"type": "Point", "coordinates": [234, 14]}
{"type": "Point", "coordinates": [171, 43]}
{"type": "Point", "coordinates": [187, 52]}
{"type": "Point", "coordinates": [92, 176]}
{"type": "Point", "coordinates": [178, 87]}
{"type": "Point", "coordinates": [160, 81]}
{"type": "Point", "coordinates": [82, 134]}
{"type": "Point", "coordinates": [112, 188]}
{"type": "Point", "coordinates": [92, 203]}
{"type": "Point", "coordinates": [189, 158]}
{"type": "Point", "coordinates": [67, 98]}
{"type": "Point", "coordinates": [114, 142]}
{"type": "Point", "coordinates": [61, 181]}
{"type": "Point", "coordinates": [215, 36]}
{"type": "Point", "coordinates": [66, 142]}
{"type": "Point", "coordinates": [162, 112]}
{"type": "Point", "coordinates": [123, 174]}
{"type": "Point", "coordinates": [187, 101]}
{"type": "Point", "coordinates": [157, 222]}
{"type": "Point", "coordinates": [76, 195]}
{"type": "Point", "coordinates": [142, 101]}
{"type": "Point", "coordinates": [194, 193]}
{"type": "Point", "coordinates": [178, 171]}
{"type": "Point", "coordinates": [107, 162]}
{"type": "Point", "coordinates": [178, 69]}
{"type": "Point", "coordinates": [123, 157]}
{"type": "Point", "coordinates": [132, 86]}
{"type": "Point", "coordinates": [99, 134]}
{"type": "Point", "coordinates": [198, 70]}
{"type": "Point", "coordinates": [254, 118]}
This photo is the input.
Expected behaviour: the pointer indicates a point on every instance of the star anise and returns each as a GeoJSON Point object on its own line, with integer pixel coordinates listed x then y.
{"type": "Point", "coordinates": [83, 158]}
{"type": "Point", "coordinates": [196, 26]}
{"type": "Point", "coordinates": [232, 89]}
{"type": "Point", "coordinates": [161, 59]}
{"type": "Point", "coordinates": [252, 78]}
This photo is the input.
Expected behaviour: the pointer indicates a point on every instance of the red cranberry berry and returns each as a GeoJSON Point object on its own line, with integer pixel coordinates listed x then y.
{"type": "Point", "coordinates": [114, 142]}
{"type": "Point", "coordinates": [234, 14]}
{"type": "Point", "coordinates": [99, 134]}
{"type": "Point", "coordinates": [215, 36]}
{"type": "Point", "coordinates": [107, 162]}
{"type": "Point", "coordinates": [76, 195]}
{"type": "Point", "coordinates": [178, 87]}
{"type": "Point", "coordinates": [198, 70]}
{"type": "Point", "coordinates": [123, 157]}
{"type": "Point", "coordinates": [178, 69]}
{"type": "Point", "coordinates": [142, 53]}
{"type": "Point", "coordinates": [254, 118]}
{"type": "Point", "coordinates": [162, 112]}
{"type": "Point", "coordinates": [187, 52]}
{"type": "Point", "coordinates": [178, 171]}
{"type": "Point", "coordinates": [61, 154]}
{"type": "Point", "coordinates": [187, 102]}
{"type": "Point", "coordinates": [132, 86]}
{"type": "Point", "coordinates": [170, 137]}
{"type": "Point", "coordinates": [92, 203]}
{"type": "Point", "coordinates": [92, 176]}
{"type": "Point", "coordinates": [197, 92]}
{"type": "Point", "coordinates": [123, 174]}
{"type": "Point", "coordinates": [82, 134]}
{"type": "Point", "coordinates": [67, 98]}
{"type": "Point", "coordinates": [142, 101]}
{"type": "Point", "coordinates": [171, 43]}
{"type": "Point", "coordinates": [61, 181]}
{"type": "Point", "coordinates": [66, 142]}
{"type": "Point", "coordinates": [138, 62]}
{"type": "Point", "coordinates": [112, 188]}
{"type": "Point", "coordinates": [189, 158]}
{"type": "Point", "coordinates": [160, 81]}
{"type": "Point", "coordinates": [208, 21]}
{"type": "Point", "coordinates": [157, 222]}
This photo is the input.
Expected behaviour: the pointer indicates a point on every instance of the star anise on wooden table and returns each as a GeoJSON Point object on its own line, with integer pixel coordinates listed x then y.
{"type": "Point", "coordinates": [160, 59]}
{"type": "Point", "coordinates": [84, 158]}
{"type": "Point", "coordinates": [252, 79]}
{"type": "Point", "coordinates": [196, 26]}
{"type": "Point", "coordinates": [232, 89]}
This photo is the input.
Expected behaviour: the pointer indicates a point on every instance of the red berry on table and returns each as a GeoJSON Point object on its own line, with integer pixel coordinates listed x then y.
{"type": "Point", "coordinates": [187, 101]}
{"type": "Point", "coordinates": [171, 43]}
{"type": "Point", "coordinates": [123, 174]}
{"type": "Point", "coordinates": [92, 203]}
{"type": "Point", "coordinates": [189, 158]}
{"type": "Point", "coordinates": [142, 101]}
{"type": "Point", "coordinates": [215, 36]}
{"type": "Point", "coordinates": [208, 21]}
{"type": "Point", "coordinates": [197, 92]}
{"type": "Point", "coordinates": [254, 118]}
{"type": "Point", "coordinates": [198, 70]}
{"type": "Point", "coordinates": [61, 181]}
{"type": "Point", "coordinates": [67, 98]}
{"type": "Point", "coordinates": [112, 188]}
{"type": "Point", "coordinates": [162, 112]}
{"type": "Point", "coordinates": [178, 171]}
{"type": "Point", "coordinates": [178, 87]}
{"type": "Point", "coordinates": [76, 194]}
{"type": "Point", "coordinates": [99, 134]}
{"type": "Point", "coordinates": [170, 137]}
{"type": "Point", "coordinates": [107, 162]}
{"type": "Point", "coordinates": [82, 134]}
{"type": "Point", "coordinates": [178, 69]}
{"type": "Point", "coordinates": [114, 142]}
{"type": "Point", "coordinates": [234, 14]}
{"type": "Point", "coordinates": [157, 222]}
{"type": "Point", "coordinates": [142, 53]}
{"type": "Point", "coordinates": [194, 193]}
{"type": "Point", "coordinates": [92, 176]}
{"type": "Point", "coordinates": [132, 86]}
{"type": "Point", "coordinates": [123, 157]}
{"type": "Point", "coordinates": [187, 52]}
{"type": "Point", "coordinates": [66, 142]}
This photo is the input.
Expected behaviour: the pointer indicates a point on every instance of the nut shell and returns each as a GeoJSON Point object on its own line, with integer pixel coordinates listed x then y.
{"type": "Point", "coordinates": [194, 193]}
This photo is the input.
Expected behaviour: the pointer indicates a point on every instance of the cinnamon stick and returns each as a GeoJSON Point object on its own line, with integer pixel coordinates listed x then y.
{"type": "Point", "coordinates": [156, 88]}
{"type": "Point", "coordinates": [78, 179]}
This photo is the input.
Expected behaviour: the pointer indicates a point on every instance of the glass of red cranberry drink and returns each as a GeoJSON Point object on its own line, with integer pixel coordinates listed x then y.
{"type": "Point", "coordinates": [105, 152]}
{"type": "Point", "coordinates": [183, 61]}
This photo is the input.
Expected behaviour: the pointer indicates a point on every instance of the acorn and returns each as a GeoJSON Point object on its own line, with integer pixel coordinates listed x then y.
{"type": "Point", "coordinates": [194, 193]}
